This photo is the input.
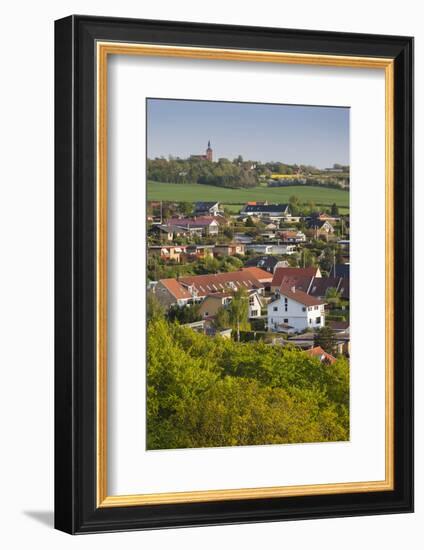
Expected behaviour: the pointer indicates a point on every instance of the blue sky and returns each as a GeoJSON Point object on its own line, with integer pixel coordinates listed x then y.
{"type": "Point", "coordinates": [287, 133]}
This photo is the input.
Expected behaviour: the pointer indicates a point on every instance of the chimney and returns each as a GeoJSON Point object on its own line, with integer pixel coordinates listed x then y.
{"type": "Point", "coordinates": [293, 289]}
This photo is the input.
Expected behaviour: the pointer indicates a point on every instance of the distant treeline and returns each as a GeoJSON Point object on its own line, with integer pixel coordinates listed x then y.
{"type": "Point", "coordinates": [237, 173]}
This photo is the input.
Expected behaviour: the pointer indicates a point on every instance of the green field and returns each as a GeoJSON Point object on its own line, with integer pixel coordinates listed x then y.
{"type": "Point", "coordinates": [191, 192]}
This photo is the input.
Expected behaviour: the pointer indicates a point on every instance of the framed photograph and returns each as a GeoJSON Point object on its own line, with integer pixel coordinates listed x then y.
{"type": "Point", "coordinates": [234, 274]}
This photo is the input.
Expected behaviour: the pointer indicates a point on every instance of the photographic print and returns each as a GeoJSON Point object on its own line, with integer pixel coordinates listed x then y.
{"type": "Point", "coordinates": [248, 274]}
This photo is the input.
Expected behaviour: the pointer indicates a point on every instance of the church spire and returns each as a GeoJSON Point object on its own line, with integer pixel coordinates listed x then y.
{"type": "Point", "coordinates": [209, 152]}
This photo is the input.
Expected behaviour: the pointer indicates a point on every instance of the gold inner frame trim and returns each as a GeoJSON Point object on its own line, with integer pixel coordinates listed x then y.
{"type": "Point", "coordinates": [104, 49]}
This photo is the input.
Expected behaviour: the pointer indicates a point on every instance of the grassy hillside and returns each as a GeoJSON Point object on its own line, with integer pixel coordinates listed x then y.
{"type": "Point", "coordinates": [191, 192]}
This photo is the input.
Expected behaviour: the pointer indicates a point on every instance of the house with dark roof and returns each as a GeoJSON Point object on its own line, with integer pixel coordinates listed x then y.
{"type": "Point", "coordinates": [293, 310]}
{"type": "Point", "coordinates": [162, 232]}
{"type": "Point", "coordinates": [206, 208]}
{"type": "Point", "coordinates": [201, 226]}
{"type": "Point", "coordinates": [340, 270]}
{"type": "Point", "coordinates": [268, 211]}
{"type": "Point", "coordinates": [320, 285]}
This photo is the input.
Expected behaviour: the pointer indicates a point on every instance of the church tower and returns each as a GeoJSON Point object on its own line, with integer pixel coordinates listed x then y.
{"type": "Point", "coordinates": [209, 152]}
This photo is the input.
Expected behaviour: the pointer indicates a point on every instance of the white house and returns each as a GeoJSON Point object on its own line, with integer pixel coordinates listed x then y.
{"type": "Point", "coordinates": [276, 249]}
{"type": "Point", "coordinates": [293, 311]}
{"type": "Point", "coordinates": [255, 304]}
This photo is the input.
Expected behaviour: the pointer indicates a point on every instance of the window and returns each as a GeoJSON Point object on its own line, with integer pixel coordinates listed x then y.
{"type": "Point", "coordinates": [310, 321]}
{"type": "Point", "coordinates": [254, 313]}
{"type": "Point", "coordinates": [303, 308]}
{"type": "Point", "coordinates": [252, 301]}
{"type": "Point", "coordinates": [318, 320]}
{"type": "Point", "coordinates": [275, 308]}
{"type": "Point", "coordinates": [286, 320]}
{"type": "Point", "coordinates": [316, 307]}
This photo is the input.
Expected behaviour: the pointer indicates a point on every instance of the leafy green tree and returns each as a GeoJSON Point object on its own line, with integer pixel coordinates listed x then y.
{"type": "Point", "coordinates": [249, 222]}
{"type": "Point", "coordinates": [222, 319]}
{"type": "Point", "coordinates": [326, 338]}
{"type": "Point", "coordinates": [228, 233]}
{"type": "Point", "coordinates": [332, 297]}
{"type": "Point", "coordinates": [155, 310]}
{"type": "Point", "coordinates": [186, 208]}
{"type": "Point", "coordinates": [294, 205]}
{"type": "Point", "coordinates": [186, 314]}
{"type": "Point", "coordinates": [238, 311]}
{"type": "Point", "coordinates": [334, 209]}
{"type": "Point", "coordinates": [326, 261]}
{"type": "Point", "coordinates": [308, 258]}
{"type": "Point", "coordinates": [209, 392]}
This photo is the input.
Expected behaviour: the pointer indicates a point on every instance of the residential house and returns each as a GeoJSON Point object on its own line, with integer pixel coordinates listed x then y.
{"type": "Point", "coordinates": [323, 216]}
{"type": "Point", "coordinates": [320, 285]}
{"type": "Point", "coordinates": [271, 212]}
{"type": "Point", "coordinates": [293, 272]}
{"type": "Point", "coordinates": [341, 327]}
{"type": "Point", "coordinates": [214, 302]}
{"type": "Point", "coordinates": [271, 227]}
{"type": "Point", "coordinates": [267, 263]}
{"type": "Point", "coordinates": [318, 353]}
{"type": "Point", "coordinates": [293, 310]}
{"type": "Point", "coordinates": [170, 292]}
{"type": "Point", "coordinates": [161, 232]}
{"type": "Point", "coordinates": [172, 253]}
{"type": "Point", "coordinates": [206, 209]}
{"type": "Point", "coordinates": [268, 248]}
{"type": "Point", "coordinates": [199, 251]}
{"type": "Point", "coordinates": [306, 340]}
{"type": "Point", "coordinates": [320, 228]}
{"type": "Point", "coordinates": [202, 226]}
{"type": "Point", "coordinates": [292, 236]}
{"type": "Point", "coordinates": [260, 274]}
{"type": "Point", "coordinates": [229, 249]}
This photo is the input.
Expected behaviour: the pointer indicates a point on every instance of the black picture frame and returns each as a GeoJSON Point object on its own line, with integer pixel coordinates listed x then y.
{"type": "Point", "coordinates": [76, 510]}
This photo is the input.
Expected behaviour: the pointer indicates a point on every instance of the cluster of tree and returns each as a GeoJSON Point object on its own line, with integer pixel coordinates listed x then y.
{"type": "Point", "coordinates": [158, 268]}
{"type": "Point", "coordinates": [213, 392]}
{"type": "Point", "coordinates": [223, 173]}
{"type": "Point", "coordinates": [234, 174]}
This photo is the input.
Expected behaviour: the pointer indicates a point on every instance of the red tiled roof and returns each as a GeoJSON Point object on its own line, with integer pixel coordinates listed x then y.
{"type": "Point", "coordinates": [320, 354]}
{"type": "Point", "coordinates": [281, 272]}
{"type": "Point", "coordinates": [299, 296]}
{"type": "Point", "coordinates": [177, 290]}
{"type": "Point", "coordinates": [221, 282]}
{"type": "Point", "coordinates": [301, 282]}
{"type": "Point", "coordinates": [258, 273]}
